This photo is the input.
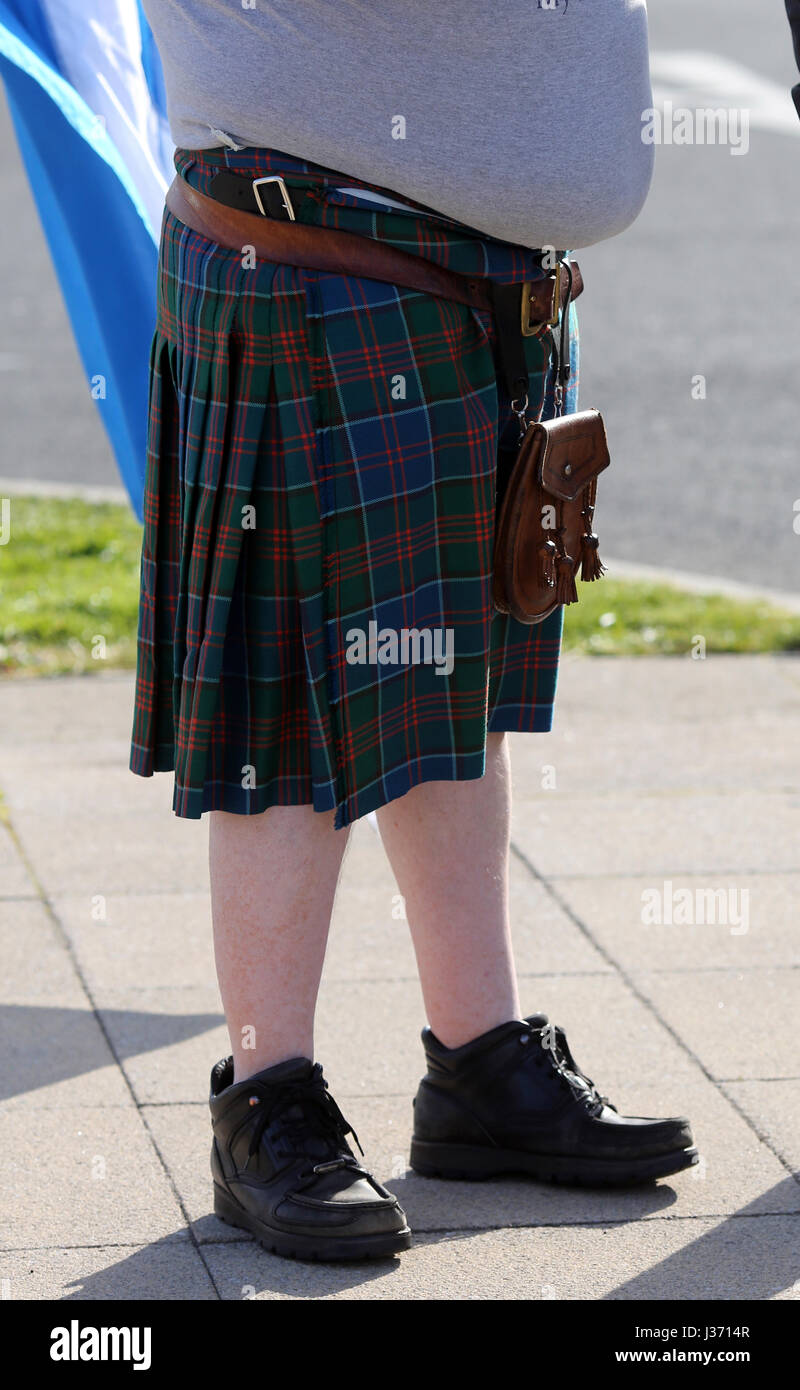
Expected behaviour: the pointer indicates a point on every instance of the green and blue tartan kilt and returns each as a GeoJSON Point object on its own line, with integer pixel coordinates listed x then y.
{"type": "Point", "coordinates": [322, 457]}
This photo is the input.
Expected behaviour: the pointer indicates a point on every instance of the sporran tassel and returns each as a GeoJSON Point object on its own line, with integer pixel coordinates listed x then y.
{"type": "Point", "coordinates": [592, 566]}
{"type": "Point", "coordinates": [566, 591]}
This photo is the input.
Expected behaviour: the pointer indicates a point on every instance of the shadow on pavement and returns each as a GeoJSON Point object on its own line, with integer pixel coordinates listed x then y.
{"type": "Point", "coordinates": [154, 1272]}
{"type": "Point", "coordinates": [42, 1046]}
{"type": "Point", "coordinates": [735, 1257]}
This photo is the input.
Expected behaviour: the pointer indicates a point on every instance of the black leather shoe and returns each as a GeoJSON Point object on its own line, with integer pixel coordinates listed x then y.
{"type": "Point", "coordinates": [283, 1169]}
{"type": "Point", "coordinates": [515, 1101]}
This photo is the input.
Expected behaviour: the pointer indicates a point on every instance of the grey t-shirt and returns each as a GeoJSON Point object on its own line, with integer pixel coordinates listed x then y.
{"type": "Point", "coordinates": [522, 118]}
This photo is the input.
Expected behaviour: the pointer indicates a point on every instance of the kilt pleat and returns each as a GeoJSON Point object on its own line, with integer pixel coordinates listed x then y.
{"type": "Point", "coordinates": [322, 452]}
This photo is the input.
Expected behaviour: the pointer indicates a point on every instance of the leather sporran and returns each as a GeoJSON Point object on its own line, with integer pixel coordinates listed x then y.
{"type": "Point", "coordinates": [544, 533]}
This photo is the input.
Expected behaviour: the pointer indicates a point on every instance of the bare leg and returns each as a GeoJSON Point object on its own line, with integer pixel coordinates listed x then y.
{"type": "Point", "coordinates": [273, 883]}
{"type": "Point", "coordinates": [448, 847]}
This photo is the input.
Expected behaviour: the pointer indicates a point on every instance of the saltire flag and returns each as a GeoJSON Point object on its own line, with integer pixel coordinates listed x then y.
{"type": "Point", "coordinates": [86, 94]}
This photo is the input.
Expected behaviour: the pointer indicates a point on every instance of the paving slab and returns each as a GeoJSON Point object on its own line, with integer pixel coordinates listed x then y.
{"type": "Point", "coordinates": [15, 879]}
{"type": "Point", "coordinates": [141, 938]}
{"type": "Point", "coordinates": [74, 710]}
{"type": "Point", "coordinates": [611, 692]}
{"type": "Point", "coordinates": [657, 756]}
{"type": "Point", "coordinates": [665, 836]}
{"type": "Point", "coordinates": [682, 1259]}
{"type": "Point", "coordinates": [743, 1024]}
{"type": "Point", "coordinates": [36, 963]}
{"type": "Point", "coordinates": [755, 924]}
{"type": "Point", "coordinates": [44, 782]}
{"type": "Point", "coordinates": [773, 1108]}
{"type": "Point", "coordinates": [167, 1039]}
{"type": "Point", "coordinates": [86, 853]}
{"type": "Point", "coordinates": [162, 1270]}
{"type": "Point", "coordinates": [56, 1056]}
{"type": "Point", "coordinates": [546, 941]}
{"type": "Point", "coordinates": [90, 1178]}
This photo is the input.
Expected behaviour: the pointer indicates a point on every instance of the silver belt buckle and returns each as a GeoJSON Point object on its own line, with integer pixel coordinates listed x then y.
{"type": "Point", "coordinates": [287, 202]}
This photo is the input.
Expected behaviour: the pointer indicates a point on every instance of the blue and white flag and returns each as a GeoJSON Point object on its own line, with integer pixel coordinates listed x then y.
{"type": "Point", "coordinates": [86, 94]}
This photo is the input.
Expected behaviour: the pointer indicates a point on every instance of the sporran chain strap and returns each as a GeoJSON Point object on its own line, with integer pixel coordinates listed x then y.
{"type": "Point", "coordinates": [591, 566]}
{"type": "Point", "coordinates": [563, 563]}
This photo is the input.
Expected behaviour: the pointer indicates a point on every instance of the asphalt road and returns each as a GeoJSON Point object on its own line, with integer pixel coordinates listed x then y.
{"type": "Point", "coordinates": [704, 284]}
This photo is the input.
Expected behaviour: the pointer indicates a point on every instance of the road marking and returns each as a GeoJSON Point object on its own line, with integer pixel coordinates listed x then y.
{"type": "Point", "coordinates": [700, 80]}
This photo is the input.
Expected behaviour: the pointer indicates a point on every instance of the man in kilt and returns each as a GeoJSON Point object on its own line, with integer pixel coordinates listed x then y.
{"type": "Point", "coordinates": [317, 637]}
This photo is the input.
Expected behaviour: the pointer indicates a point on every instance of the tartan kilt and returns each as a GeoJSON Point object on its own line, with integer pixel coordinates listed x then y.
{"type": "Point", "coordinates": [321, 472]}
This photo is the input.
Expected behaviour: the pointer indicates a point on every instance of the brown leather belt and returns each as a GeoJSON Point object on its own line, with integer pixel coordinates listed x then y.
{"type": "Point", "coordinates": [529, 306]}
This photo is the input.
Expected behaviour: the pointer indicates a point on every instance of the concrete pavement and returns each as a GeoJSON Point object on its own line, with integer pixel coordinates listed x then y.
{"type": "Point", "coordinates": [670, 775]}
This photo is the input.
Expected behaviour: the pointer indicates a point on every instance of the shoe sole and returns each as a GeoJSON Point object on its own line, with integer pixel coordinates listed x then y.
{"type": "Point", "coordinates": [301, 1247]}
{"type": "Point", "coordinates": [461, 1161]}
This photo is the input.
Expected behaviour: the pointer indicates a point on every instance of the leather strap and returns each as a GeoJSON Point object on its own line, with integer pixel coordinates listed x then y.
{"type": "Point", "coordinates": [347, 253]}
{"type": "Point", "coordinates": [510, 342]}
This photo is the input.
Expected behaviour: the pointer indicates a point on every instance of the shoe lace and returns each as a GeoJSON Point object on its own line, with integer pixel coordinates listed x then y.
{"type": "Point", "coordinates": [306, 1111]}
{"type": "Point", "coordinates": [553, 1046]}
